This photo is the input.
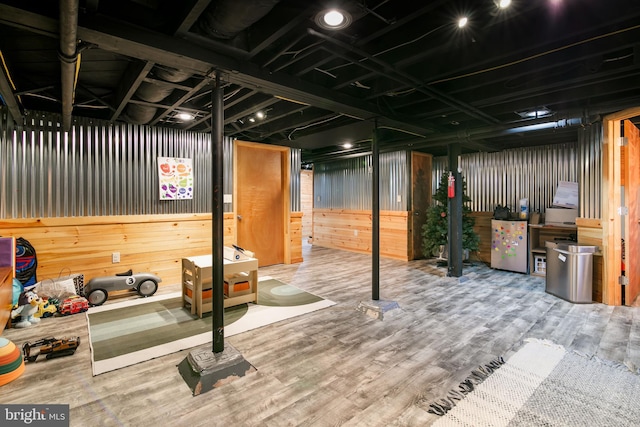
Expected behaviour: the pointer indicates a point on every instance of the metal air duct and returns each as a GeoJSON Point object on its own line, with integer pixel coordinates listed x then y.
{"type": "Point", "coordinates": [224, 19]}
{"type": "Point", "coordinates": [154, 93]}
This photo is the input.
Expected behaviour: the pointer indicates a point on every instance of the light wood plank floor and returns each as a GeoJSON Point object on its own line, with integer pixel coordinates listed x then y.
{"type": "Point", "coordinates": [337, 366]}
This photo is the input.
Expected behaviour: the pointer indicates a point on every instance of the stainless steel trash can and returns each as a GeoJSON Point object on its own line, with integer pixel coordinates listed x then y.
{"type": "Point", "coordinates": [570, 270]}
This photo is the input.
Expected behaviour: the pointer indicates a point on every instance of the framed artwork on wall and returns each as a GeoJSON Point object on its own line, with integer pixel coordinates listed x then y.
{"type": "Point", "coordinates": [175, 178]}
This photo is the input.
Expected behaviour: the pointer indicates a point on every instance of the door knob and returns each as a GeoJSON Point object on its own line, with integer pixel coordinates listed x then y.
{"type": "Point", "coordinates": [239, 217]}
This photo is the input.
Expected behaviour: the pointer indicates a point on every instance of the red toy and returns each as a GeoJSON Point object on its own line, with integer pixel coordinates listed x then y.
{"type": "Point", "coordinates": [74, 304]}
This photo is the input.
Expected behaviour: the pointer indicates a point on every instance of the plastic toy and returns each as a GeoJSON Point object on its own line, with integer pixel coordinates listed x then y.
{"type": "Point", "coordinates": [97, 290]}
{"type": "Point", "coordinates": [27, 306]}
{"type": "Point", "coordinates": [51, 347]}
{"type": "Point", "coordinates": [74, 304]}
{"type": "Point", "coordinates": [46, 308]}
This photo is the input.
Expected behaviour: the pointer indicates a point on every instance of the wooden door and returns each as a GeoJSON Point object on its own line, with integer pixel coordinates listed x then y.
{"type": "Point", "coordinates": [420, 200]}
{"type": "Point", "coordinates": [632, 201]}
{"type": "Point", "coordinates": [261, 194]}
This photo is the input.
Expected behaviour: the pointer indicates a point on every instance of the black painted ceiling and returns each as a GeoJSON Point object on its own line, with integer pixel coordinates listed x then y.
{"type": "Point", "coordinates": [402, 66]}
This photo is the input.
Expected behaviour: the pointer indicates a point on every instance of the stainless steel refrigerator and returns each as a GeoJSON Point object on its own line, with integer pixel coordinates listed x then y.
{"type": "Point", "coordinates": [509, 245]}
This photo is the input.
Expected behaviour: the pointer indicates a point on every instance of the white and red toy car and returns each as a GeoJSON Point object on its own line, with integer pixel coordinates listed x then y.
{"type": "Point", "coordinates": [97, 290]}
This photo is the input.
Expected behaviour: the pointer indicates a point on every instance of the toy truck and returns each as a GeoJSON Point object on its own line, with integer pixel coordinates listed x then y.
{"type": "Point", "coordinates": [50, 347]}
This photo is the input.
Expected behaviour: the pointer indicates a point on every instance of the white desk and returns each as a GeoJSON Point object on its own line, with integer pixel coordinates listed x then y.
{"type": "Point", "coordinates": [197, 278]}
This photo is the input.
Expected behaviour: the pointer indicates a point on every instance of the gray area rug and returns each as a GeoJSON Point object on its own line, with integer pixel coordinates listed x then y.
{"type": "Point", "coordinates": [123, 334]}
{"type": "Point", "coordinates": [543, 384]}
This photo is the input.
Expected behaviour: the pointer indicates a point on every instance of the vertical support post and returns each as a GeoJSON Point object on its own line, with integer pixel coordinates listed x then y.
{"type": "Point", "coordinates": [375, 215]}
{"type": "Point", "coordinates": [217, 214]}
{"type": "Point", "coordinates": [455, 215]}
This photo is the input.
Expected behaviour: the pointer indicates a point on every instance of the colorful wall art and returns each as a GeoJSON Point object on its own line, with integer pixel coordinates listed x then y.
{"type": "Point", "coordinates": [175, 178]}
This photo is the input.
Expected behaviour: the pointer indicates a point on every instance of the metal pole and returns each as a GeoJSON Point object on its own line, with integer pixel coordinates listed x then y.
{"type": "Point", "coordinates": [217, 213]}
{"type": "Point", "coordinates": [455, 215]}
{"type": "Point", "coordinates": [375, 216]}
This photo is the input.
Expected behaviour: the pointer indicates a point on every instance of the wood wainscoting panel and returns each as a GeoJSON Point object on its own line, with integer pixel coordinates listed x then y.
{"type": "Point", "coordinates": [482, 227]}
{"type": "Point", "coordinates": [590, 233]}
{"type": "Point", "coordinates": [295, 237]}
{"type": "Point", "coordinates": [351, 230]}
{"type": "Point", "coordinates": [146, 243]}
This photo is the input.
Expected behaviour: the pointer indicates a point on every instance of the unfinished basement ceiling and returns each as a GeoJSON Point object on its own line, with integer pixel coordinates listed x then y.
{"type": "Point", "coordinates": [402, 66]}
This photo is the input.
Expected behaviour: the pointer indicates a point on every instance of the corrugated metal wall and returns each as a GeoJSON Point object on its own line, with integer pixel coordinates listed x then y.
{"type": "Point", "coordinates": [589, 152]}
{"type": "Point", "coordinates": [111, 169]}
{"type": "Point", "coordinates": [296, 165]}
{"type": "Point", "coordinates": [346, 184]}
{"type": "Point", "coordinates": [503, 178]}
{"type": "Point", "coordinates": [100, 168]}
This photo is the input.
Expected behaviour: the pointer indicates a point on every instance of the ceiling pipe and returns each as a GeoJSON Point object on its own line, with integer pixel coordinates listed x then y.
{"type": "Point", "coordinates": [498, 131]}
{"type": "Point", "coordinates": [68, 55]}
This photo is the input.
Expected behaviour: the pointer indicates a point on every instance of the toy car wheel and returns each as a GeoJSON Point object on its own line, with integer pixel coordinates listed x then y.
{"type": "Point", "coordinates": [147, 288]}
{"type": "Point", "coordinates": [97, 296]}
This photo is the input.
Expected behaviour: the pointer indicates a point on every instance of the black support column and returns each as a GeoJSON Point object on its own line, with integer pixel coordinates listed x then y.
{"type": "Point", "coordinates": [204, 370]}
{"type": "Point", "coordinates": [455, 215]}
{"type": "Point", "coordinates": [217, 213]}
{"type": "Point", "coordinates": [375, 215]}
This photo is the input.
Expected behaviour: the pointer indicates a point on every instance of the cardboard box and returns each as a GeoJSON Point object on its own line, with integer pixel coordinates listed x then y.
{"type": "Point", "coordinates": [560, 216]}
{"type": "Point", "coordinates": [566, 195]}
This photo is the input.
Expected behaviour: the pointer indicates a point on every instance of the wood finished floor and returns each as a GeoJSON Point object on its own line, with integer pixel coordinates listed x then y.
{"type": "Point", "coordinates": [337, 366]}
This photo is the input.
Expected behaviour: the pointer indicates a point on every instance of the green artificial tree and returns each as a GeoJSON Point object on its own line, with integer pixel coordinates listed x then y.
{"type": "Point", "coordinates": [436, 229]}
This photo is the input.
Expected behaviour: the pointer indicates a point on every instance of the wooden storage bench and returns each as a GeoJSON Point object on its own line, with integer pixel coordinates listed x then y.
{"type": "Point", "coordinates": [197, 282]}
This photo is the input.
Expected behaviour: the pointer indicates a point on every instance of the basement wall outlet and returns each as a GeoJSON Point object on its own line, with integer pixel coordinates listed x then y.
{"type": "Point", "coordinates": [355, 232]}
{"type": "Point", "coordinates": [399, 198]}
{"type": "Point", "coordinates": [115, 257]}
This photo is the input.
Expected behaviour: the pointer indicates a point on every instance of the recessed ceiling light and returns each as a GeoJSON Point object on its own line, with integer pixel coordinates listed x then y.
{"type": "Point", "coordinates": [333, 19]}
{"type": "Point", "coordinates": [462, 22]}
{"type": "Point", "coordinates": [347, 145]}
{"type": "Point", "coordinates": [503, 4]}
{"type": "Point", "coordinates": [535, 113]}
{"type": "Point", "coordinates": [260, 115]}
{"type": "Point", "coordinates": [185, 117]}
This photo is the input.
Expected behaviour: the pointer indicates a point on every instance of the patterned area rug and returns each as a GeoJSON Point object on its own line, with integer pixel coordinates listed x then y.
{"type": "Point", "coordinates": [131, 332]}
{"type": "Point", "coordinates": [544, 385]}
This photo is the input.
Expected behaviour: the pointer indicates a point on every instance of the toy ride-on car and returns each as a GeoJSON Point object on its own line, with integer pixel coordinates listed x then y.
{"type": "Point", "coordinates": [50, 347]}
{"type": "Point", "coordinates": [97, 290]}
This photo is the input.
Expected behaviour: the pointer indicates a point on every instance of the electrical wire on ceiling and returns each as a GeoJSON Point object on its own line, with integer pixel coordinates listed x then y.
{"type": "Point", "coordinates": [401, 92]}
{"type": "Point", "coordinates": [403, 131]}
{"type": "Point", "coordinates": [6, 71]}
{"type": "Point", "coordinates": [326, 72]}
{"type": "Point", "coordinates": [428, 33]}
{"type": "Point", "coordinates": [312, 124]}
{"type": "Point", "coordinates": [538, 55]}
{"type": "Point", "coordinates": [618, 58]}
{"type": "Point", "coordinates": [75, 78]}
{"type": "Point", "coordinates": [37, 95]}
{"type": "Point", "coordinates": [360, 85]}
{"type": "Point", "coordinates": [297, 52]}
